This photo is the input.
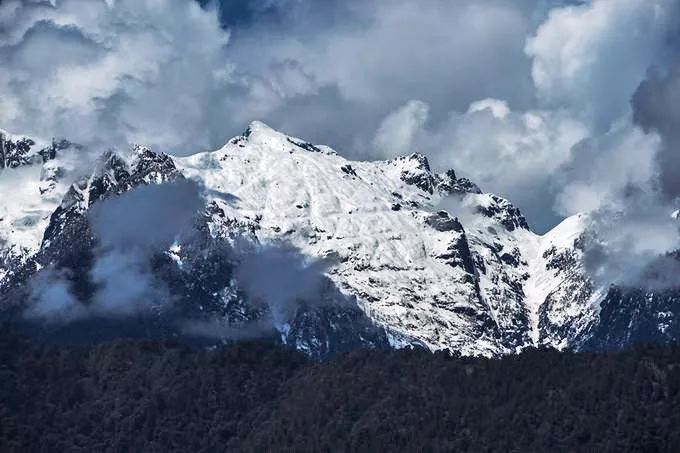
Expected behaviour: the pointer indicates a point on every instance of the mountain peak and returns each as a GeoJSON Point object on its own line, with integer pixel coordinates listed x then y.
{"type": "Point", "coordinates": [449, 184]}
{"type": "Point", "coordinates": [258, 127]}
{"type": "Point", "coordinates": [501, 210]}
{"type": "Point", "coordinates": [415, 170]}
{"type": "Point", "coordinates": [474, 278]}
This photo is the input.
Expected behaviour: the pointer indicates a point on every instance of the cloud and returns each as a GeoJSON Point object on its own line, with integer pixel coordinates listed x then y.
{"type": "Point", "coordinates": [132, 228]}
{"type": "Point", "coordinates": [101, 72]}
{"type": "Point", "coordinates": [278, 281]}
{"type": "Point", "coordinates": [629, 245]}
{"type": "Point", "coordinates": [397, 132]}
{"type": "Point", "coordinates": [129, 229]}
{"type": "Point", "coordinates": [507, 152]}
{"type": "Point", "coordinates": [166, 74]}
{"type": "Point", "coordinates": [498, 108]}
{"type": "Point", "coordinates": [656, 106]}
{"type": "Point", "coordinates": [51, 299]}
{"type": "Point", "coordinates": [147, 217]}
{"type": "Point", "coordinates": [602, 170]}
{"type": "Point", "coordinates": [449, 55]}
{"type": "Point", "coordinates": [126, 285]}
{"type": "Point", "coordinates": [571, 146]}
{"type": "Point", "coordinates": [281, 277]}
{"type": "Point", "coordinates": [591, 57]}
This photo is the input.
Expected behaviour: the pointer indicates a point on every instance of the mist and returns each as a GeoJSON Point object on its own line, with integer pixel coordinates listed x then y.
{"type": "Point", "coordinates": [132, 228]}
{"type": "Point", "coordinates": [283, 277]}
{"type": "Point", "coordinates": [631, 246]}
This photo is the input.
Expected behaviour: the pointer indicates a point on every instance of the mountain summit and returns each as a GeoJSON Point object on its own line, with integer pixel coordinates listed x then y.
{"type": "Point", "coordinates": [295, 242]}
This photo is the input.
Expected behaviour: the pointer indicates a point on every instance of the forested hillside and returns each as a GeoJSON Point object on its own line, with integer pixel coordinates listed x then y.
{"type": "Point", "coordinates": [148, 396]}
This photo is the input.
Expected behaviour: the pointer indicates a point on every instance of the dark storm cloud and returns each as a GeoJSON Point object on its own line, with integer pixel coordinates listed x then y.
{"type": "Point", "coordinates": [237, 14]}
{"type": "Point", "coordinates": [656, 106]}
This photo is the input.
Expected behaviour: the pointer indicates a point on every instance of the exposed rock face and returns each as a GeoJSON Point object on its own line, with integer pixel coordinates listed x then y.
{"type": "Point", "coordinates": [502, 211]}
{"type": "Point", "coordinates": [415, 171]}
{"type": "Point", "coordinates": [400, 271]}
{"type": "Point", "coordinates": [442, 221]}
{"type": "Point", "coordinates": [14, 152]}
{"type": "Point", "coordinates": [447, 183]}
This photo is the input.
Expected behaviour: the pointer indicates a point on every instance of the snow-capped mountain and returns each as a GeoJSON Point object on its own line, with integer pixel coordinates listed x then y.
{"type": "Point", "coordinates": [411, 257]}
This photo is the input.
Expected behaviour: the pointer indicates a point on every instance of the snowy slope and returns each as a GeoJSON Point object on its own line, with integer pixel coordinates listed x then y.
{"type": "Point", "coordinates": [475, 287]}
{"type": "Point", "coordinates": [30, 194]}
{"type": "Point", "coordinates": [367, 219]}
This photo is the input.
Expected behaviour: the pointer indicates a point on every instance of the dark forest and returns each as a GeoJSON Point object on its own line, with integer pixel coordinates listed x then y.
{"type": "Point", "coordinates": [159, 397]}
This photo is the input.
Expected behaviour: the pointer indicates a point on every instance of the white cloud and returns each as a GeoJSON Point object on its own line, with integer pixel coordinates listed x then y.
{"type": "Point", "coordinates": [506, 152]}
{"type": "Point", "coordinates": [397, 132]}
{"type": "Point", "coordinates": [591, 57]}
{"type": "Point", "coordinates": [423, 49]}
{"type": "Point", "coordinates": [52, 300]}
{"type": "Point", "coordinates": [628, 243]}
{"type": "Point", "coordinates": [498, 108]}
{"type": "Point", "coordinates": [165, 73]}
{"type": "Point", "coordinates": [603, 170]}
{"type": "Point", "coordinates": [574, 149]}
{"type": "Point", "coordinates": [137, 70]}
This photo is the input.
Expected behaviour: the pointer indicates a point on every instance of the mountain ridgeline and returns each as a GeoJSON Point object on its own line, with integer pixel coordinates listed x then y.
{"type": "Point", "coordinates": [273, 237]}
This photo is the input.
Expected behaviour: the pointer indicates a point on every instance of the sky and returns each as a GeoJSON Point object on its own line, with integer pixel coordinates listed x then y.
{"type": "Point", "coordinates": [560, 106]}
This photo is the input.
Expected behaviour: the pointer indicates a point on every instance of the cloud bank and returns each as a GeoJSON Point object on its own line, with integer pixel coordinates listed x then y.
{"type": "Point", "coordinates": [531, 99]}
{"type": "Point", "coordinates": [167, 74]}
